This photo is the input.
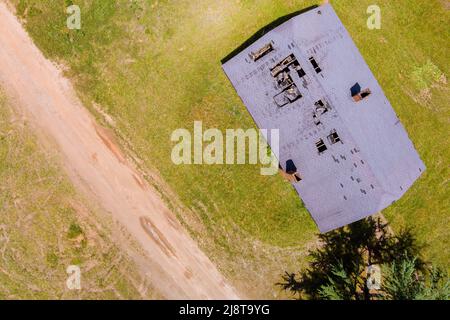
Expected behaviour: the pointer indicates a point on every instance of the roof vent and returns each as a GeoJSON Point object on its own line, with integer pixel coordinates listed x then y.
{"type": "Point", "coordinates": [261, 52]}
{"type": "Point", "coordinates": [333, 137]}
{"type": "Point", "coordinates": [321, 147]}
{"type": "Point", "coordinates": [315, 65]}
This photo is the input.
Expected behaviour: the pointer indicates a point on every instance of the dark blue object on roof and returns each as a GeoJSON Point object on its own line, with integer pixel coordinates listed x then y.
{"type": "Point", "coordinates": [356, 89]}
{"type": "Point", "coordinates": [290, 167]}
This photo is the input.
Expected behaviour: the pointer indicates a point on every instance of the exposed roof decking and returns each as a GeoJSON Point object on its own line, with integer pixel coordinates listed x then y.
{"type": "Point", "coordinates": [374, 162]}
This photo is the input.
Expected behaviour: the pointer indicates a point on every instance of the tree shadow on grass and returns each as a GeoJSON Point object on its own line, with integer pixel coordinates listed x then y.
{"type": "Point", "coordinates": [344, 256]}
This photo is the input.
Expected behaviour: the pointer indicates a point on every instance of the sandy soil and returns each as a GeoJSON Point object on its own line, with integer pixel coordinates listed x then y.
{"type": "Point", "coordinates": [96, 164]}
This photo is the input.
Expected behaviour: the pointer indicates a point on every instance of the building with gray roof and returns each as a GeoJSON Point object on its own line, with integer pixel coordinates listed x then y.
{"type": "Point", "coordinates": [340, 139]}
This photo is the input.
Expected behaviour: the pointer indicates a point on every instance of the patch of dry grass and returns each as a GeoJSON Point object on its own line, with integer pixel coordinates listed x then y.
{"type": "Point", "coordinates": [45, 226]}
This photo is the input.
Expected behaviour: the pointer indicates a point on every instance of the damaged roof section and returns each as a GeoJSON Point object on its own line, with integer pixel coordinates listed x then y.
{"type": "Point", "coordinates": [305, 77]}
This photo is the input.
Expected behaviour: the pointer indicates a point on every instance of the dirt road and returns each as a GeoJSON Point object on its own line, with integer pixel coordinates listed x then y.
{"type": "Point", "coordinates": [181, 269]}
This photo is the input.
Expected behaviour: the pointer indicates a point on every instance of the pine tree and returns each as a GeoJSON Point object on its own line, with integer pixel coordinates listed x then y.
{"type": "Point", "coordinates": [338, 268]}
{"type": "Point", "coordinates": [403, 281]}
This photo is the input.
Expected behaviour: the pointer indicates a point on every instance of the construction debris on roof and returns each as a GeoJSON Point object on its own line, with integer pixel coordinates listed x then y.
{"type": "Point", "coordinates": [339, 136]}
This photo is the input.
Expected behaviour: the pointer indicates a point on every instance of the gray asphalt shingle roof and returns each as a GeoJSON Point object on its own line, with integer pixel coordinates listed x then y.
{"type": "Point", "coordinates": [367, 160]}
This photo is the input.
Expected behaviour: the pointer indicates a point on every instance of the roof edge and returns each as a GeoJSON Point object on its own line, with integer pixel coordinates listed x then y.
{"type": "Point", "coordinates": [258, 34]}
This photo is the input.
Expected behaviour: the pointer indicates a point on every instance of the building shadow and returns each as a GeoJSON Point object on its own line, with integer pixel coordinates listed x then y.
{"type": "Point", "coordinates": [258, 34]}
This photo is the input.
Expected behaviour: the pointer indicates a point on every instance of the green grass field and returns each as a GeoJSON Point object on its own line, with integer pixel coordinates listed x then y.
{"type": "Point", "coordinates": [45, 227]}
{"type": "Point", "coordinates": [154, 66]}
